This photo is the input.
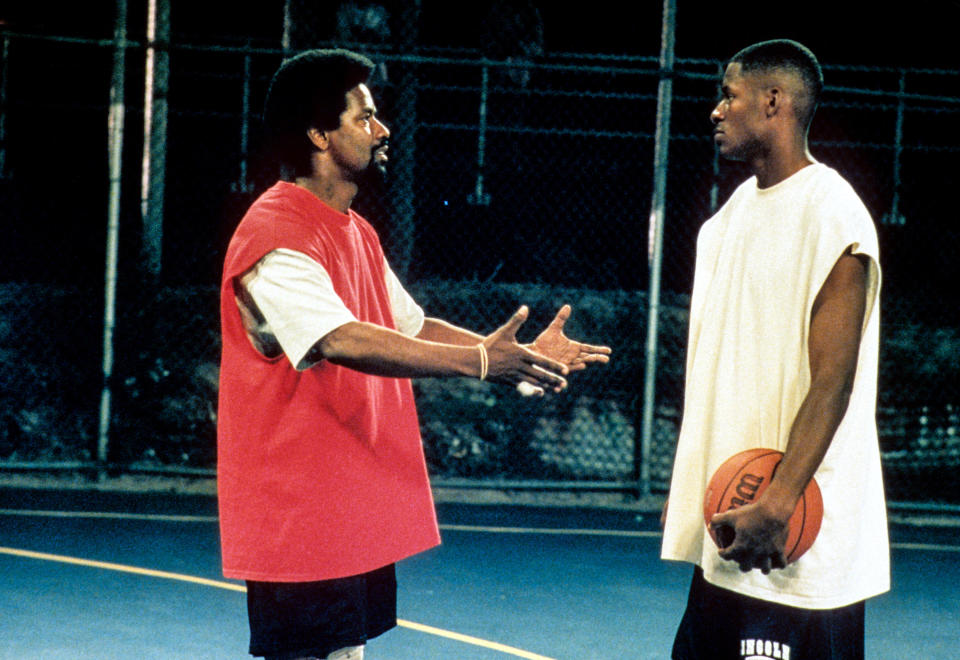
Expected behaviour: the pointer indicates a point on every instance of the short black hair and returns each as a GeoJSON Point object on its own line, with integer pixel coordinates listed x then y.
{"type": "Point", "coordinates": [309, 90]}
{"type": "Point", "coordinates": [789, 55]}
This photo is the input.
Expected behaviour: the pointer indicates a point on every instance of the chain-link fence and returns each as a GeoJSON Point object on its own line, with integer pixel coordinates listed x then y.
{"type": "Point", "coordinates": [518, 176]}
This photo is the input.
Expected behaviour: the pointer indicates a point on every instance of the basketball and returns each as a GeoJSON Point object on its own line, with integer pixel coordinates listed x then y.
{"type": "Point", "coordinates": [742, 479]}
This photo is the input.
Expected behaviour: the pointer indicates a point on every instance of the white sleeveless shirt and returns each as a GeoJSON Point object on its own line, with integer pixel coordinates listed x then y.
{"type": "Point", "coordinates": [761, 260]}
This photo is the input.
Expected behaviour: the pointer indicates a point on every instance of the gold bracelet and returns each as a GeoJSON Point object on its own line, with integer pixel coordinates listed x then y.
{"type": "Point", "coordinates": [484, 361]}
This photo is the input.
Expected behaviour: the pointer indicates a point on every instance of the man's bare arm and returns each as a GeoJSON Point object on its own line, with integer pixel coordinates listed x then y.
{"type": "Point", "coordinates": [441, 349]}
{"type": "Point", "coordinates": [834, 344]}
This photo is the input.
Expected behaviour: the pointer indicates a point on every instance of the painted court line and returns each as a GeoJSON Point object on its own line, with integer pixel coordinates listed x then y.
{"type": "Point", "coordinates": [158, 517]}
{"type": "Point", "coordinates": [106, 515]}
{"type": "Point", "coordinates": [557, 531]}
{"type": "Point", "coordinates": [121, 568]}
{"type": "Point", "coordinates": [231, 586]}
{"type": "Point", "coordinates": [480, 529]}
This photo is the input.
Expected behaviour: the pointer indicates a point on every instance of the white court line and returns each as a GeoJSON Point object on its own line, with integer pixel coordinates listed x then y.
{"type": "Point", "coordinates": [480, 529]}
{"type": "Point", "coordinates": [106, 515]}
{"type": "Point", "coordinates": [556, 531]}
{"type": "Point", "coordinates": [159, 517]}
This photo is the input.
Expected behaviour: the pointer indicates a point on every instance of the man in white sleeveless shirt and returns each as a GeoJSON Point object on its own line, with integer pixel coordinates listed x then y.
{"type": "Point", "coordinates": [783, 348]}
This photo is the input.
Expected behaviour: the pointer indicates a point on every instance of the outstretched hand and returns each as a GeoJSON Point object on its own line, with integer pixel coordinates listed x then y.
{"type": "Point", "coordinates": [514, 364]}
{"type": "Point", "coordinates": [554, 344]}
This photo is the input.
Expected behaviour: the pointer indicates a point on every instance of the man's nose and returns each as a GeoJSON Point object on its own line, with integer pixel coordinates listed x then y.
{"type": "Point", "coordinates": [717, 115]}
{"type": "Point", "coordinates": [380, 129]}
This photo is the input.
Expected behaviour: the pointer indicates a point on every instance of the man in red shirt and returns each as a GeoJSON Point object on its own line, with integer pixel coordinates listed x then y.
{"type": "Point", "coordinates": [321, 477]}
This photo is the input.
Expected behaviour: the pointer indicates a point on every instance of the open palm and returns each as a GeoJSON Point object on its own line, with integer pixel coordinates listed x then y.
{"type": "Point", "coordinates": [576, 355]}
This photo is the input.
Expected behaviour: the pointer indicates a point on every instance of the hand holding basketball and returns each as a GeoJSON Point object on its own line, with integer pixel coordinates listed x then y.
{"type": "Point", "coordinates": [756, 538]}
{"type": "Point", "coordinates": [744, 528]}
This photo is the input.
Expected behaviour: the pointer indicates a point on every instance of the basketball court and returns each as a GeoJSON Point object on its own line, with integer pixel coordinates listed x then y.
{"type": "Point", "coordinates": [90, 574]}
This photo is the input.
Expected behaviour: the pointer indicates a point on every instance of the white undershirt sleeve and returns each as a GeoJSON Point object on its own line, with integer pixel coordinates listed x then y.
{"type": "Point", "coordinates": [299, 305]}
{"type": "Point", "coordinates": [296, 297]}
{"type": "Point", "coordinates": [407, 314]}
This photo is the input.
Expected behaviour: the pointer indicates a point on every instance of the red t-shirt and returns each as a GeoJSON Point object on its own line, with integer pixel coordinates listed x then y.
{"type": "Point", "coordinates": [320, 472]}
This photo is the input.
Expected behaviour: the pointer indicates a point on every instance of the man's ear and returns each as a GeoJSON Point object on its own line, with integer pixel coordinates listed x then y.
{"type": "Point", "coordinates": [774, 99]}
{"type": "Point", "coordinates": [318, 138]}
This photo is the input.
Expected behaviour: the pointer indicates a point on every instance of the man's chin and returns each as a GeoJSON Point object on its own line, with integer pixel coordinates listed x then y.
{"type": "Point", "coordinates": [730, 154]}
{"type": "Point", "coordinates": [374, 173]}
{"type": "Point", "coordinates": [380, 161]}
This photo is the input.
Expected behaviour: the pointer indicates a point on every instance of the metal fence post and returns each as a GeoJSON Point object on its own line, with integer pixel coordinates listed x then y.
{"type": "Point", "coordinates": [655, 244]}
{"type": "Point", "coordinates": [714, 185]}
{"type": "Point", "coordinates": [242, 184]}
{"type": "Point", "coordinates": [153, 181]}
{"type": "Point", "coordinates": [115, 146]}
{"type": "Point", "coordinates": [478, 197]}
{"type": "Point", "coordinates": [893, 216]}
{"type": "Point", "coordinates": [4, 71]}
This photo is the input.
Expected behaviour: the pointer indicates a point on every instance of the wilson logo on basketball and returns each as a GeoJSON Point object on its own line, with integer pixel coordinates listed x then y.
{"type": "Point", "coordinates": [746, 490]}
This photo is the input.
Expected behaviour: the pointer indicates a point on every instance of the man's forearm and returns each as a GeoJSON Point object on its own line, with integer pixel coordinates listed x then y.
{"type": "Point", "coordinates": [810, 437]}
{"type": "Point", "coordinates": [380, 351]}
{"type": "Point", "coordinates": [438, 330]}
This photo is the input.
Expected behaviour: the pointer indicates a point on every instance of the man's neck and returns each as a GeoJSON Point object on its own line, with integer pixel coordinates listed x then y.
{"type": "Point", "coordinates": [338, 195]}
{"type": "Point", "coordinates": [770, 172]}
{"type": "Point", "coordinates": [779, 164]}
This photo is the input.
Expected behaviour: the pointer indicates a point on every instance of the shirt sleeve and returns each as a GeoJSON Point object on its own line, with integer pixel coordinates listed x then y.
{"type": "Point", "coordinates": [296, 297]}
{"type": "Point", "coordinates": [407, 314]}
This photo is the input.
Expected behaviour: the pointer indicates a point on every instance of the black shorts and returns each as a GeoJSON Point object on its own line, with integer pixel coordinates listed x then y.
{"type": "Point", "coordinates": [295, 619]}
{"type": "Point", "coordinates": [720, 624]}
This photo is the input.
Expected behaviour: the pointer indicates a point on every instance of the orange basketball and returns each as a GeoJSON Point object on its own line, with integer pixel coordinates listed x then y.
{"type": "Point", "coordinates": [741, 479]}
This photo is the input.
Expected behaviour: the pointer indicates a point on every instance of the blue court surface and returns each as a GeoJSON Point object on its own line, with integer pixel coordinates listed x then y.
{"type": "Point", "coordinates": [98, 575]}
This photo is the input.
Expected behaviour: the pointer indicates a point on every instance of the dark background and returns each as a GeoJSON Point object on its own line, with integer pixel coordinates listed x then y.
{"type": "Point", "coordinates": [569, 170]}
{"type": "Point", "coordinates": [920, 33]}
{"type": "Point", "coordinates": [53, 199]}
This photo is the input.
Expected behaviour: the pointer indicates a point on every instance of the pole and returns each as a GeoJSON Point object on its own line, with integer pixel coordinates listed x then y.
{"type": "Point", "coordinates": [478, 197]}
{"type": "Point", "coordinates": [115, 147]}
{"type": "Point", "coordinates": [286, 36]}
{"type": "Point", "coordinates": [894, 217]}
{"type": "Point", "coordinates": [655, 238]}
{"type": "Point", "coordinates": [714, 184]}
{"type": "Point", "coordinates": [242, 184]}
{"type": "Point", "coordinates": [153, 177]}
{"type": "Point", "coordinates": [4, 57]}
